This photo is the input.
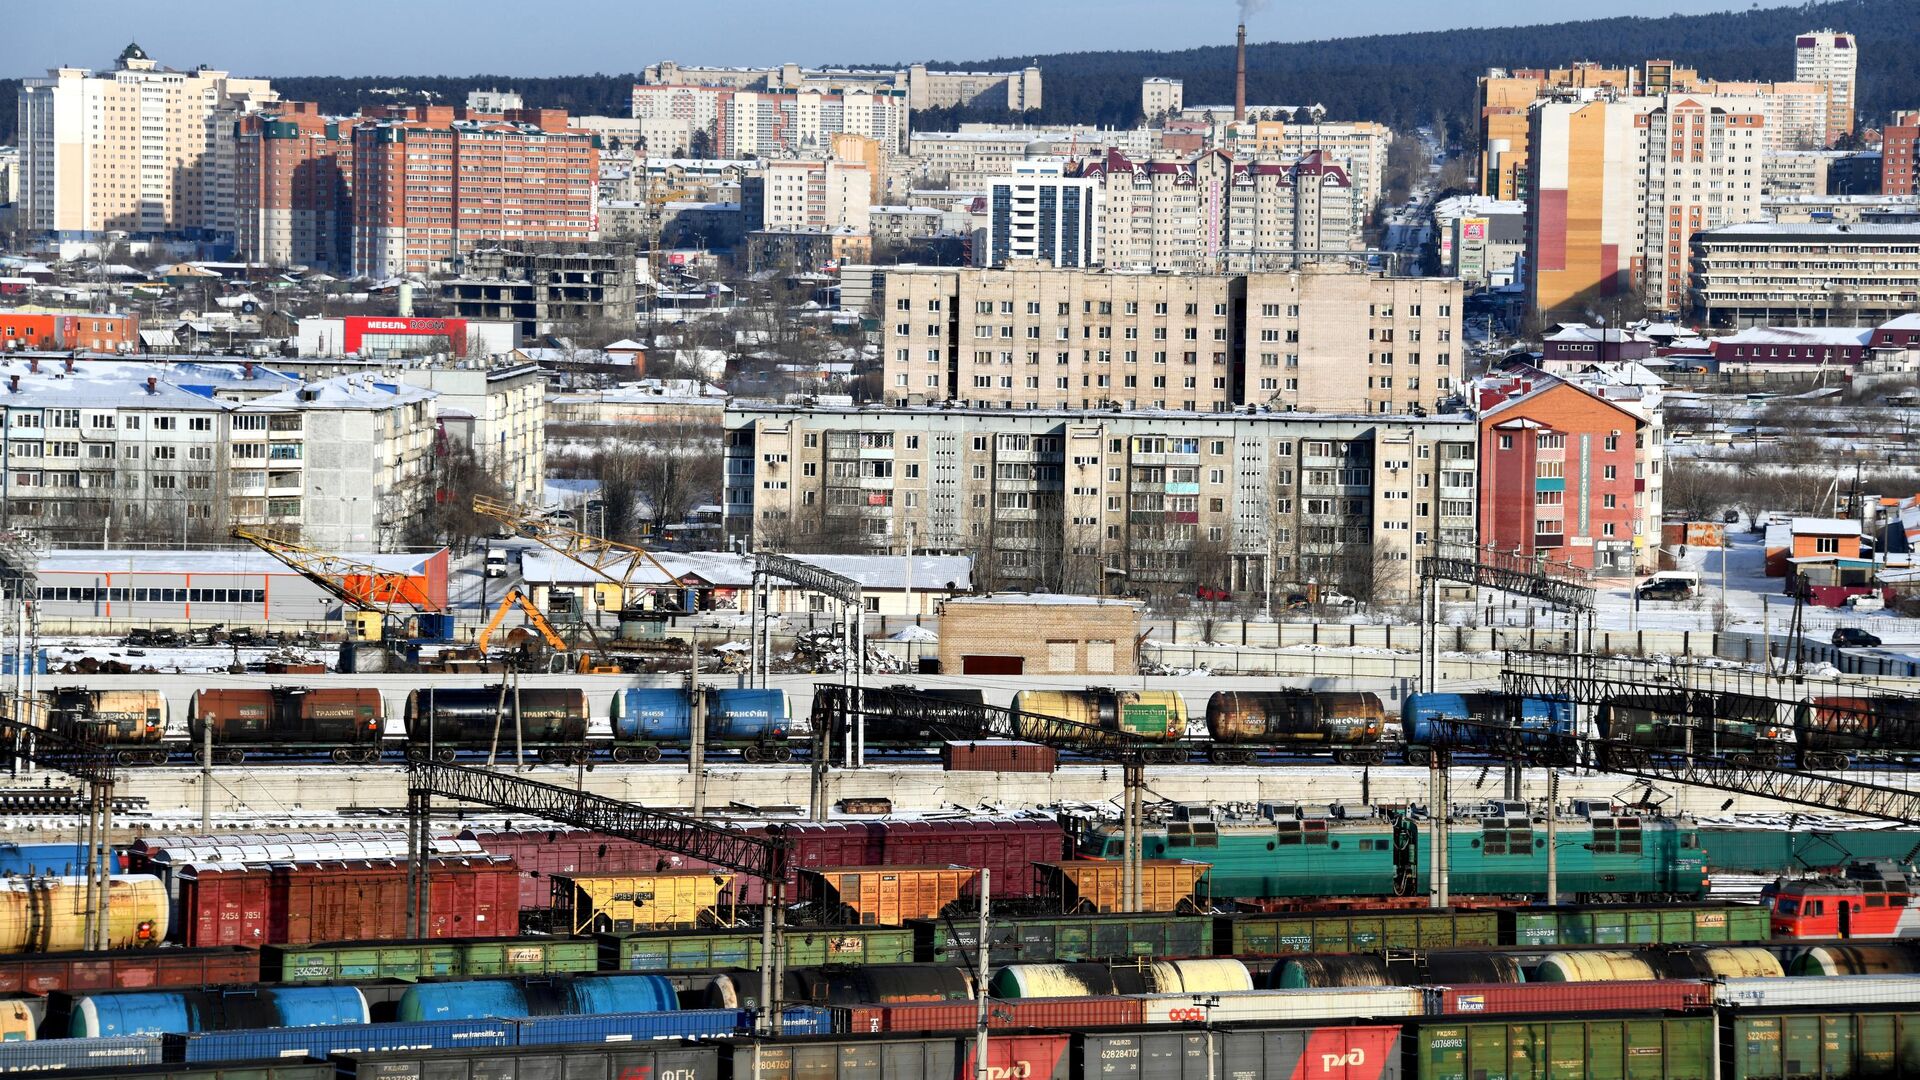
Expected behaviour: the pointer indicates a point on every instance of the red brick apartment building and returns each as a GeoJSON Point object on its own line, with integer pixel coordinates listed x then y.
{"type": "Point", "coordinates": [430, 182]}
{"type": "Point", "coordinates": [293, 187]}
{"type": "Point", "coordinates": [1900, 155]}
{"type": "Point", "coordinates": [1568, 474]}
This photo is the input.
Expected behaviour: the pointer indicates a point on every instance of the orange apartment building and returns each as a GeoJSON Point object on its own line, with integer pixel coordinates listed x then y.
{"type": "Point", "coordinates": [53, 330]}
{"type": "Point", "coordinates": [293, 187]}
{"type": "Point", "coordinates": [431, 182]}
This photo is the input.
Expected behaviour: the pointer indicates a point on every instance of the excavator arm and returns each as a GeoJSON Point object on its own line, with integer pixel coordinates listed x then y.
{"type": "Point", "coordinates": [534, 619]}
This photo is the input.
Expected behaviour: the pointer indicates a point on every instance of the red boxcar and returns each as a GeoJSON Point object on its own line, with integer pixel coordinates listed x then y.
{"type": "Point", "coordinates": [367, 901]}
{"type": "Point", "coordinates": [998, 755]}
{"type": "Point", "coordinates": [127, 969]}
{"type": "Point", "coordinates": [1035, 1014]}
{"type": "Point", "coordinates": [538, 855]}
{"type": "Point", "coordinates": [222, 906]}
{"type": "Point", "coordinates": [1548, 997]}
{"type": "Point", "coordinates": [1007, 846]}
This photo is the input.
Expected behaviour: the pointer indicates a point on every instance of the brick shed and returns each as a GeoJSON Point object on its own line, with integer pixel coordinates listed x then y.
{"type": "Point", "coordinates": [1039, 634]}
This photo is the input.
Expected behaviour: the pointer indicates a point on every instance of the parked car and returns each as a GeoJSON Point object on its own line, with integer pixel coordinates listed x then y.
{"type": "Point", "coordinates": [1664, 589]}
{"type": "Point", "coordinates": [1867, 602]}
{"type": "Point", "coordinates": [1852, 637]}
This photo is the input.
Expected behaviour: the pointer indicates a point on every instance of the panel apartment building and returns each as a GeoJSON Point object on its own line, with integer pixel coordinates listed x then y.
{"type": "Point", "coordinates": [1621, 186]}
{"type": "Point", "coordinates": [777, 123]}
{"type": "Point", "coordinates": [1123, 503]}
{"type": "Point", "coordinates": [139, 149]}
{"type": "Point", "coordinates": [293, 187]}
{"type": "Point", "coordinates": [432, 181]}
{"type": "Point", "coordinates": [1318, 339]}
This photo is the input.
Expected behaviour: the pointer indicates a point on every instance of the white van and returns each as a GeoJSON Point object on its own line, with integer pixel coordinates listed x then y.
{"type": "Point", "coordinates": [497, 563]}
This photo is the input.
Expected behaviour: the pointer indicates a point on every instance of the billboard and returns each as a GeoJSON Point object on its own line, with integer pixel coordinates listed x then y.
{"type": "Point", "coordinates": [375, 335]}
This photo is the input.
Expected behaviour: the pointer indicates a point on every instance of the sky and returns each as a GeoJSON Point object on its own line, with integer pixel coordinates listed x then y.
{"type": "Point", "coordinates": [560, 37]}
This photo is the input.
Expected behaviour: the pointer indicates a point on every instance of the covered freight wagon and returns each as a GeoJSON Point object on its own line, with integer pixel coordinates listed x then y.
{"type": "Point", "coordinates": [551, 721]}
{"type": "Point", "coordinates": [754, 722]}
{"type": "Point", "coordinates": [345, 723]}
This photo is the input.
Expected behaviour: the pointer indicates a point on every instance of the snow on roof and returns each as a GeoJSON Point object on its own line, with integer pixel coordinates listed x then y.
{"type": "Point", "coordinates": [1807, 526]}
{"type": "Point", "coordinates": [97, 384]}
{"type": "Point", "coordinates": [221, 561]}
{"type": "Point", "coordinates": [1798, 335]}
{"type": "Point", "coordinates": [1903, 322]}
{"type": "Point", "coordinates": [347, 392]}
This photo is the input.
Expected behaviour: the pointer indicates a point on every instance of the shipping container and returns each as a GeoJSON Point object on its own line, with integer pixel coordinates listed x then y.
{"type": "Point", "coordinates": [1064, 938]}
{"type": "Point", "coordinates": [1640, 1048]}
{"type": "Point", "coordinates": [622, 903]}
{"type": "Point", "coordinates": [66, 1055]}
{"type": "Point", "coordinates": [998, 755]}
{"type": "Point", "coordinates": [890, 895]}
{"type": "Point", "coordinates": [49, 914]}
{"type": "Point", "coordinates": [535, 1063]}
{"type": "Point", "coordinates": [319, 1042]}
{"type": "Point", "coordinates": [805, 947]}
{"type": "Point", "coordinates": [1087, 886]}
{"type": "Point", "coordinates": [127, 969]}
{"type": "Point", "coordinates": [1836, 992]}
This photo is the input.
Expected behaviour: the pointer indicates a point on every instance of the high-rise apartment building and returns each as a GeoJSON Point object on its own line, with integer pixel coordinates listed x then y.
{"type": "Point", "coordinates": [1161, 97]}
{"type": "Point", "coordinates": [798, 195]}
{"type": "Point", "coordinates": [431, 182]}
{"type": "Point", "coordinates": [140, 149]}
{"type": "Point", "coordinates": [1831, 58]}
{"type": "Point", "coordinates": [775, 123]}
{"type": "Point", "coordinates": [293, 187]}
{"type": "Point", "coordinates": [1620, 186]}
{"type": "Point", "coordinates": [1215, 214]}
{"type": "Point", "coordinates": [1112, 502]}
{"type": "Point", "coordinates": [1040, 214]}
{"type": "Point", "coordinates": [1016, 91]}
{"type": "Point", "coordinates": [1900, 155]}
{"type": "Point", "coordinates": [1324, 338]}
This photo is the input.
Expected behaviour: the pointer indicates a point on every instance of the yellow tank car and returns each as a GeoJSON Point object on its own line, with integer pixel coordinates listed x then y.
{"type": "Point", "coordinates": [1146, 715]}
{"type": "Point", "coordinates": [49, 914]}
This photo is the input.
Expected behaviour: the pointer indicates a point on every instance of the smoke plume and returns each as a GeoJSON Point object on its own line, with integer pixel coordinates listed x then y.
{"type": "Point", "coordinates": [1250, 8]}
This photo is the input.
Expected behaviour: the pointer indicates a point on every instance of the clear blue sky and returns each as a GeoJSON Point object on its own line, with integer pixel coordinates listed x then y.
{"type": "Point", "coordinates": [558, 37]}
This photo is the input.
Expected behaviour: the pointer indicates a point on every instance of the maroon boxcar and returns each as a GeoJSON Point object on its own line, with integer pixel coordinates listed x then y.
{"type": "Point", "coordinates": [127, 969]}
{"type": "Point", "coordinates": [1550, 997]}
{"type": "Point", "coordinates": [222, 905]}
{"type": "Point", "coordinates": [998, 755]}
{"type": "Point", "coordinates": [1007, 846]}
{"type": "Point", "coordinates": [367, 901]}
{"type": "Point", "coordinates": [1033, 1014]}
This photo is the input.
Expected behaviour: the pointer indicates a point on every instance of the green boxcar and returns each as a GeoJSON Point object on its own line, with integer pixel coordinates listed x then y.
{"type": "Point", "coordinates": [1070, 939]}
{"type": "Point", "coordinates": [263, 1071]}
{"type": "Point", "coordinates": [1342, 932]}
{"type": "Point", "coordinates": [529, 956]}
{"type": "Point", "coordinates": [355, 960]}
{"type": "Point", "coordinates": [1677, 924]}
{"type": "Point", "coordinates": [1788, 1046]}
{"type": "Point", "coordinates": [1592, 1049]}
{"type": "Point", "coordinates": [711, 952]}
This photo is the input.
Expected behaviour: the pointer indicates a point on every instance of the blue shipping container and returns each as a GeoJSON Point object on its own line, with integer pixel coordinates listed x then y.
{"type": "Point", "coordinates": [630, 1027]}
{"type": "Point", "coordinates": [55, 1055]}
{"type": "Point", "coordinates": [24, 859]}
{"type": "Point", "coordinates": [351, 1038]}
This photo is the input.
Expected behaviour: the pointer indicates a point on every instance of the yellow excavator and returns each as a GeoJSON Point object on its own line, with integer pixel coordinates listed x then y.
{"type": "Point", "coordinates": [586, 665]}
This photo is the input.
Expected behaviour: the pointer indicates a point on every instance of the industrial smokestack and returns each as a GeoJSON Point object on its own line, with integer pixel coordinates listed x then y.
{"type": "Point", "coordinates": [1240, 76]}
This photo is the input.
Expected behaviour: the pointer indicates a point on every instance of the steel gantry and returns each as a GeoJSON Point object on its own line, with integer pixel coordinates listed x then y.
{"type": "Point", "coordinates": [616, 562]}
{"type": "Point", "coordinates": [839, 709]}
{"type": "Point", "coordinates": [850, 598]}
{"type": "Point", "coordinates": [719, 845]}
{"type": "Point", "coordinates": [55, 746]}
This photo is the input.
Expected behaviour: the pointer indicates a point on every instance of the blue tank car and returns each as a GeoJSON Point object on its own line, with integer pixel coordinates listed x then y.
{"type": "Point", "coordinates": [586, 995]}
{"type": "Point", "coordinates": [179, 1012]}
{"type": "Point", "coordinates": [1423, 721]}
{"type": "Point", "coordinates": [754, 722]}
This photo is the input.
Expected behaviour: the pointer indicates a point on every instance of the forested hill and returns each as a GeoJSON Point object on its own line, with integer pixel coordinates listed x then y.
{"type": "Point", "coordinates": [1402, 79]}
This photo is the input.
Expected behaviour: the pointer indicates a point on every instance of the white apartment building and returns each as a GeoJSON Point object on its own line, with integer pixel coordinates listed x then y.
{"type": "Point", "coordinates": [1214, 214]}
{"type": "Point", "coordinates": [1112, 502]}
{"type": "Point", "coordinates": [1703, 162]}
{"type": "Point", "coordinates": [1161, 97]}
{"type": "Point", "coordinates": [1017, 91]}
{"type": "Point", "coordinates": [798, 195]}
{"type": "Point", "coordinates": [777, 123]}
{"type": "Point", "coordinates": [1039, 214]}
{"type": "Point", "coordinates": [1832, 58]}
{"type": "Point", "coordinates": [140, 149]}
{"type": "Point", "coordinates": [115, 452]}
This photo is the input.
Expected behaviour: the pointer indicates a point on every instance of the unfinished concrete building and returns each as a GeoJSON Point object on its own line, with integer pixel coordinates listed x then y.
{"type": "Point", "coordinates": [544, 284]}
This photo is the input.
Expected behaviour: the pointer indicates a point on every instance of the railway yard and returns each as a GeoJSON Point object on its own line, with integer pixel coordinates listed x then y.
{"type": "Point", "coordinates": [488, 876]}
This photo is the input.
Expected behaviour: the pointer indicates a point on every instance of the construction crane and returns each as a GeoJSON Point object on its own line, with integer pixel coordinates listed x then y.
{"type": "Point", "coordinates": [587, 665]}
{"type": "Point", "coordinates": [377, 603]}
{"type": "Point", "coordinates": [618, 563]}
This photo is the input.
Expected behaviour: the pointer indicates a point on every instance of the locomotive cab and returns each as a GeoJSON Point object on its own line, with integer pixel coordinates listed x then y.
{"type": "Point", "coordinates": [1868, 902]}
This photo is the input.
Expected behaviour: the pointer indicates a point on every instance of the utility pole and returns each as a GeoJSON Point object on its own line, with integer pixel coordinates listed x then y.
{"type": "Point", "coordinates": [697, 751]}
{"type": "Point", "coordinates": [980, 978]}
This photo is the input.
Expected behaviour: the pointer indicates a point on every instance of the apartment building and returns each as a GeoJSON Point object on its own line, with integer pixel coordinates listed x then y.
{"type": "Point", "coordinates": [778, 122]}
{"type": "Point", "coordinates": [1832, 59]}
{"type": "Point", "coordinates": [817, 194]}
{"type": "Point", "coordinates": [1040, 214]}
{"type": "Point", "coordinates": [293, 187]}
{"type": "Point", "coordinates": [90, 330]}
{"type": "Point", "coordinates": [139, 149]}
{"type": "Point", "coordinates": [104, 448]}
{"type": "Point", "coordinates": [1212, 213]}
{"type": "Point", "coordinates": [432, 182]}
{"type": "Point", "coordinates": [1765, 274]}
{"type": "Point", "coordinates": [1359, 148]}
{"type": "Point", "coordinates": [1504, 99]}
{"type": "Point", "coordinates": [1569, 475]}
{"type": "Point", "coordinates": [1322, 338]}
{"type": "Point", "coordinates": [1143, 503]}
{"type": "Point", "coordinates": [1161, 97]}
{"type": "Point", "coordinates": [1620, 186]}
{"type": "Point", "coordinates": [968, 159]}
{"type": "Point", "coordinates": [544, 286]}
{"type": "Point", "coordinates": [1900, 155]}
{"type": "Point", "coordinates": [1017, 91]}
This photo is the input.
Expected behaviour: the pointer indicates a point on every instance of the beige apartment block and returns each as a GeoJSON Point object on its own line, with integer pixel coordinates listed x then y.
{"type": "Point", "coordinates": [141, 148]}
{"type": "Point", "coordinates": [1325, 340]}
